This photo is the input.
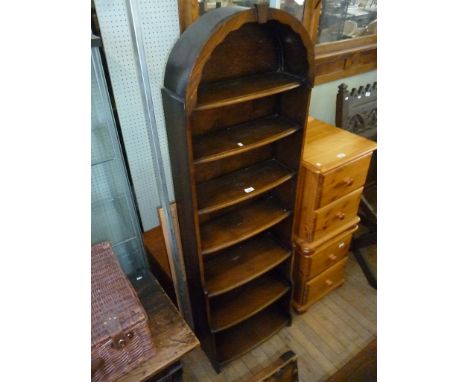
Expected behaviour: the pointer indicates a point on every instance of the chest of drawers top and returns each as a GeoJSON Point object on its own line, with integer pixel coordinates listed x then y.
{"type": "Point", "coordinates": [328, 147]}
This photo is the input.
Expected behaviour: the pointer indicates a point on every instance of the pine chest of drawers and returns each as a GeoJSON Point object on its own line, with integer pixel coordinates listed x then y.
{"type": "Point", "coordinates": [334, 170]}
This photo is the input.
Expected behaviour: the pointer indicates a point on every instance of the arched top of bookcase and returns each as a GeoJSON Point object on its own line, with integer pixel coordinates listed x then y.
{"type": "Point", "coordinates": [268, 45]}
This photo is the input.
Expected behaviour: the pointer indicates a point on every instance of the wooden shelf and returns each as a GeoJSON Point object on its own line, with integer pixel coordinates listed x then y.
{"type": "Point", "coordinates": [241, 224]}
{"type": "Point", "coordinates": [241, 185]}
{"type": "Point", "coordinates": [243, 89]}
{"type": "Point", "coordinates": [238, 340]}
{"type": "Point", "coordinates": [233, 308]}
{"type": "Point", "coordinates": [240, 138]}
{"type": "Point", "coordinates": [243, 263]}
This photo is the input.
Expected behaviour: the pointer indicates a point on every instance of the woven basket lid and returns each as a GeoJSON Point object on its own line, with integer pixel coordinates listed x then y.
{"type": "Point", "coordinates": [112, 295]}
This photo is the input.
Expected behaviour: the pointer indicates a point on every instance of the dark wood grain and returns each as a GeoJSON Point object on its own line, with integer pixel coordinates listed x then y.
{"type": "Point", "coordinates": [241, 185]}
{"type": "Point", "coordinates": [232, 308]}
{"type": "Point", "coordinates": [240, 225]}
{"type": "Point", "coordinates": [209, 170]}
{"type": "Point", "coordinates": [252, 40]}
{"type": "Point", "coordinates": [237, 139]}
{"type": "Point", "coordinates": [243, 89]}
{"type": "Point", "coordinates": [284, 369]}
{"type": "Point", "coordinates": [171, 336]}
{"type": "Point", "coordinates": [238, 340]}
{"type": "Point", "coordinates": [235, 66]}
{"type": "Point", "coordinates": [242, 264]}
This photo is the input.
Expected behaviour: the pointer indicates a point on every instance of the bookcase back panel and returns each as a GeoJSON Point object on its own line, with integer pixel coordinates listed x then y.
{"type": "Point", "coordinates": [228, 60]}
{"type": "Point", "coordinates": [204, 121]}
{"type": "Point", "coordinates": [210, 170]}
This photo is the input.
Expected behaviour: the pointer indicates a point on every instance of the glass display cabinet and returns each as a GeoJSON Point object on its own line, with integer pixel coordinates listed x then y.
{"type": "Point", "coordinates": [113, 212]}
{"type": "Point", "coordinates": [345, 19]}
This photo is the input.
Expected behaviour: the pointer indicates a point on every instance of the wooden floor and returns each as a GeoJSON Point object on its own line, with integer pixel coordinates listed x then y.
{"type": "Point", "coordinates": [325, 338]}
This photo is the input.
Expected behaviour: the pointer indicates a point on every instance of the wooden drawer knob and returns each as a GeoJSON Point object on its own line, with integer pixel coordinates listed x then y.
{"type": "Point", "coordinates": [329, 282]}
{"type": "Point", "coordinates": [332, 257]}
{"type": "Point", "coordinates": [348, 181]}
{"type": "Point", "coordinates": [340, 215]}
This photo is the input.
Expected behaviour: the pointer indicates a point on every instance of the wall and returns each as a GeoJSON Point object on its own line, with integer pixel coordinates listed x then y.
{"type": "Point", "coordinates": [160, 30]}
{"type": "Point", "coordinates": [323, 103]}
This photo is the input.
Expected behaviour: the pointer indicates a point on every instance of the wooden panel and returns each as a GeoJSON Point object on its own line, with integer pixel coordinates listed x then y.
{"type": "Point", "coordinates": [238, 340]}
{"type": "Point", "coordinates": [244, 89]}
{"type": "Point", "coordinates": [232, 308]}
{"type": "Point", "coordinates": [243, 263]}
{"type": "Point", "coordinates": [344, 179]}
{"type": "Point", "coordinates": [241, 185]}
{"type": "Point", "coordinates": [336, 214]}
{"type": "Point", "coordinates": [342, 59]}
{"type": "Point", "coordinates": [313, 290]}
{"type": "Point", "coordinates": [242, 224]}
{"type": "Point", "coordinates": [153, 240]}
{"type": "Point", "coordinates": [310, 265]}
{"type": "Point", "coordinates": [210, 120]}
{"type": "Point", "coordinates": [251, 40]}
{"type": "Point", "coordinates": [284, 369]}
{"type": "Point", "coordinates": [240, 138]}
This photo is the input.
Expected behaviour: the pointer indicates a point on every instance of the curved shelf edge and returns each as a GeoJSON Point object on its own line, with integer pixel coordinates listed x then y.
{"type": "Point", "coordinates": [244, 89]}
{"type": "Point", "coordinates": [251, 195]}
{"type": "Point", "coordinates": [245, 148]}
{"type": "Point", "coordinates": [285, 288]}
{"type": "Point", "coordinates": [273, 214]}
{"type": "Point", "coordinates": [260, 179]}
{"type": "Point", "coordinates": [240, 265]}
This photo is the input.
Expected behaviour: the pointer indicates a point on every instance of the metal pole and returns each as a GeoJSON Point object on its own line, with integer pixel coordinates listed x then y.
{"type": "Point", "coordinates": [180, 283]}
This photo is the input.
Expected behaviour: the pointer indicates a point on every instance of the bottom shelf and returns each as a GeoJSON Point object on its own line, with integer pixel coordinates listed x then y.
{"type": "Point", "coordinates": [237, 341]}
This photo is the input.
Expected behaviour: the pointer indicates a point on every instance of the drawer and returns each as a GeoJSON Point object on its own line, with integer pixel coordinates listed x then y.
{"type": "Point", "coordinates": [324, 283]}
{"type": "Point", "coordinates": [343, 180]}
{"type": "Point", "coordinates": [335, 215]}
{"type": "Point", "coordinates": [310, 265]}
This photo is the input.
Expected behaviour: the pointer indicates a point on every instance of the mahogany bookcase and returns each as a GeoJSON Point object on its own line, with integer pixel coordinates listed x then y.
{"type": "Point", "coordinates": [236, 97]}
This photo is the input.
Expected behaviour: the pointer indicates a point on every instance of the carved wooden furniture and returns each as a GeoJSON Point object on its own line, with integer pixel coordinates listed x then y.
{"type": "Point", "coordinates": [335, 164]}
{"type": "Point", "coordinates": [356, 111]}
{"type": "Point", "coordinates": [236, 96]}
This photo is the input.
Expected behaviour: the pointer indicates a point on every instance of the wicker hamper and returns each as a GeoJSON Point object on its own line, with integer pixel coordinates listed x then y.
{"type": "Point", "coordinates": [120, 336]}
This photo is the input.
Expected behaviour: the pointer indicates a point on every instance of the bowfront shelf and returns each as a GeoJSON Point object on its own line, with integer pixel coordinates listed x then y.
{"type": "Point", "coordinates": [236, 98]}
{"type": "Point", "coordinates": [241, 224]}
{"type": "Point", "coordinates": [243, 263]}
{"type": "Point", "coordinates": [236, 139]}
{"type": "Point", "coordinates": [241, 185]}
{"type": "Point", "coordinates": [233, 308]}
{"type": "Point", "coordinates": [228, 92]}
{"type": "Point", "coordinates": [241, 338]}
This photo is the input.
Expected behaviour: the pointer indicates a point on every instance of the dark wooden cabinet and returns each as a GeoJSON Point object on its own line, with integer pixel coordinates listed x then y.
{"type": "Point", "coordinates": [236, 97]}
